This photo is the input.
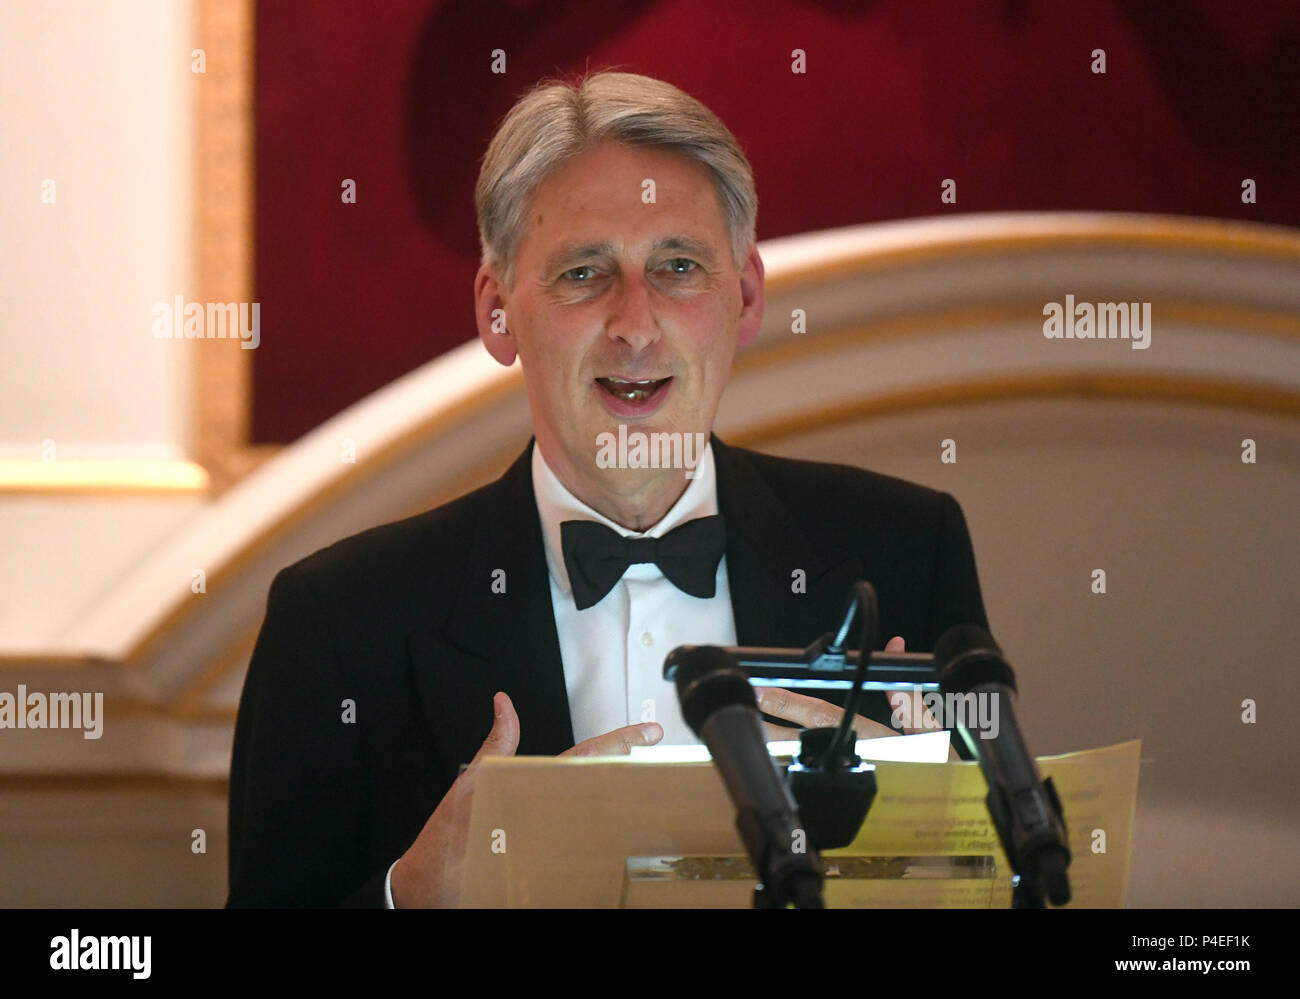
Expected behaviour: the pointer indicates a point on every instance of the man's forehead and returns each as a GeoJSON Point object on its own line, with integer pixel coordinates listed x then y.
{"type": "Point", "coordinates": [595, 205]}
{"type": "Point", "coordinates": [611, 175]}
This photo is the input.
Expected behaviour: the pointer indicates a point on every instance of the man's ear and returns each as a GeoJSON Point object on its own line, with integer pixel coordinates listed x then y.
{"type": "Point", "coordinates": [490, 316]}
{"type": "Point", "coordinates": [752, 301]}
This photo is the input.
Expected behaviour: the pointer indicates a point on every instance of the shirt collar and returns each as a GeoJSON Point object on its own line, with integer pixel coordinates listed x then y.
{"type": "Point", "coordinates": [555, 504]}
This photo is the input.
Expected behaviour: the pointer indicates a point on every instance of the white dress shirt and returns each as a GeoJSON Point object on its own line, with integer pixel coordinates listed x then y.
{"type": "Point", "coordinates": [613, 653]}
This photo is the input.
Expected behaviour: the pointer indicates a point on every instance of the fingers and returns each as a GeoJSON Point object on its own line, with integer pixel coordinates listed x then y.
{"type": "Point", "coordinates": [428, 873]}
{"type": "Point", "coordinates": [810, 712]}
{"type": "Point", "coordinates": [868, 729]}
{"type": "Point", "coordinates": [779, 733]}
{"type": "Point", "coordinates": [618, 742]}
{"type": "Point", "coordinates": [503, 740]}
{"type": "Point", "coordinates": [911, 713]}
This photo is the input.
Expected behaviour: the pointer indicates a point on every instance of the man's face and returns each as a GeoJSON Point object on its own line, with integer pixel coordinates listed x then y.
{"type": "Point", "coordinates": [623, 311]}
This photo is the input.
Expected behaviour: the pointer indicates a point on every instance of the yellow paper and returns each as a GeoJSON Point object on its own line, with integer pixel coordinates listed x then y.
{"type": "Point", "coordinates": [924, 809]}
{"type": "Point", "coordinates": [551, 831]}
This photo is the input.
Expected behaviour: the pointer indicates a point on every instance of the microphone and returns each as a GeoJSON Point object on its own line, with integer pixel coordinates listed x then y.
{"type": "Point", "coordinates": [1025, 809]}
{"type": "Point", "coordinates": [718, 703]}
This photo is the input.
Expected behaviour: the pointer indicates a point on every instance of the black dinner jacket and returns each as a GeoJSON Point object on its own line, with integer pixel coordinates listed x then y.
{"type": "Point", "coordinates": [373, 674]}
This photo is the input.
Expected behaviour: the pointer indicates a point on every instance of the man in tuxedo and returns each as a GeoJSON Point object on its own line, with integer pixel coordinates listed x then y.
{"type": "Point", "coordinates": [534, 615]}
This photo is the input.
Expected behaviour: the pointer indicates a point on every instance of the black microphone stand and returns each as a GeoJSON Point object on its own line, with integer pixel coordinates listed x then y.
{"type": "Point", "coordinates": [832, 786]}
{"type": "Point", "coordinates": [718, 703]}
{"type": "Point", "coordinates": [829, 782]}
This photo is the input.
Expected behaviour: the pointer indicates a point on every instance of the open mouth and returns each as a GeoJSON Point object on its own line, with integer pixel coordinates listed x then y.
{"type": "Point", "coordinates": [632, 391]}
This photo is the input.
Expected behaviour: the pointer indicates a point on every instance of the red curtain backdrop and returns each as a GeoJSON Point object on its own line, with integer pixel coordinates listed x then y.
{"type": "Point", "coordinates": [898, 95]}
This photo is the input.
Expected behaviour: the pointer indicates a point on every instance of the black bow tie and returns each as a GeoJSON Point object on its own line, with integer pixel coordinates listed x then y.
{"type": "Point", "coordinates": [596, 557]}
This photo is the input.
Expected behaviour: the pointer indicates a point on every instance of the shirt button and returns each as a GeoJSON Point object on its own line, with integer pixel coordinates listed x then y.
{"type": "Point", "coordinates": [647, 639]}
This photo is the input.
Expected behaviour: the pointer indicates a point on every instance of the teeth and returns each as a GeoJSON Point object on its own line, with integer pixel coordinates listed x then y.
{"type": "Point", "coordinates": [631, 391]}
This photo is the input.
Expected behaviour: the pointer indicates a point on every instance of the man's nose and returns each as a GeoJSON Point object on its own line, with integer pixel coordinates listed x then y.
{"type": "Point", "coordinates": [633, 320]}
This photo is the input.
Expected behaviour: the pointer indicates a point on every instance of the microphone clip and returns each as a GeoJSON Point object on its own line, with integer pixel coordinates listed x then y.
{"type": "Point", "coordinates": [834, 795]}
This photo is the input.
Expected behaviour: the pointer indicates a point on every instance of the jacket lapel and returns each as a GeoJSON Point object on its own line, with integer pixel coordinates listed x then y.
{"type": "Point", "coordinates": [497, 640]}
{"type": "Point", "coordinates": [766, 545]}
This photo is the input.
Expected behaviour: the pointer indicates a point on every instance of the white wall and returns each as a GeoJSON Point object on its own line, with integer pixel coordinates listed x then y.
{"type": "Point", "coordinates": [99, 98]}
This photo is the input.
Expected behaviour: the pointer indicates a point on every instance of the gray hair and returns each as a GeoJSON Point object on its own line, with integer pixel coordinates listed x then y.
{"type": "Point", "coordinates": [556, 121]}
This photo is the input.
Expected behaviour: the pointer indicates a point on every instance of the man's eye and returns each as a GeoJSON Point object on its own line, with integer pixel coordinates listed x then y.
{"type": "Point", "coordinates": [682, 265]}
{"type": "Point", "coordinates": [580, 274]}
